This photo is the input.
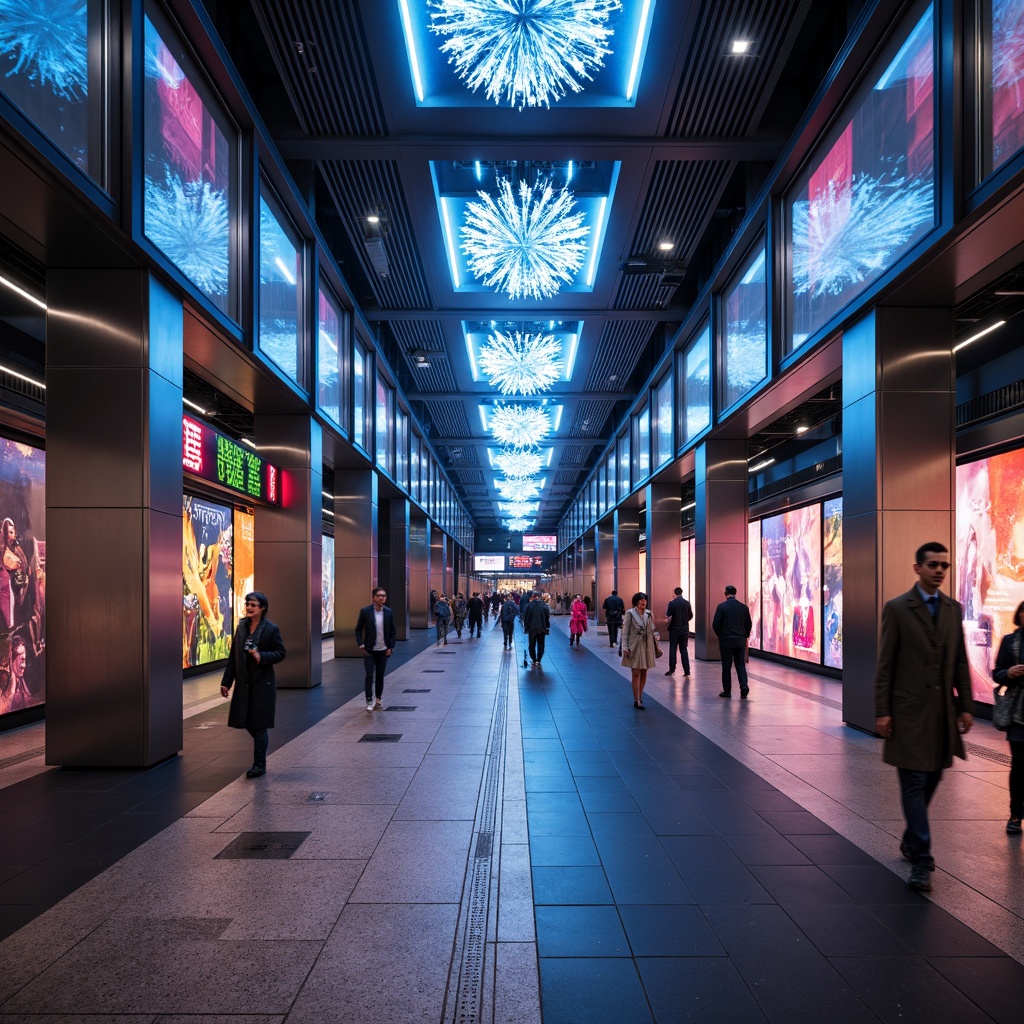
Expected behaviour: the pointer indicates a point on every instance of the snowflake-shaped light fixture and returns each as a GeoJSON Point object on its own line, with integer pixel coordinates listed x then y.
{"type": "Point", "coordinates": [528, 246]}
{"type": "Point", "coordinates": [518, 525]}
{"type": "Point", "coordinates": [518, 464]}
{"type": "Point", "coordinates": [519, 426]}
{"type": "Point", "coordinates": [517, 490]}
{"type": "Point", "coordinates": [48, 41]}
{"type": "Point", "coordinates": [521, 364]}
{"type": "Point", "coordinates": [518, 509]}
{"type": "Point", "coordinates": [528, 51]}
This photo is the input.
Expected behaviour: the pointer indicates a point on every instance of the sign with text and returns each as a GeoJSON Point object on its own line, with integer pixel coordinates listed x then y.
{"type": "Point", "coordinates": [210, 455]}
{"type": "Point", "coordinates": [488, 563]}
{"type": "Point", "coordinates": [540, 542]}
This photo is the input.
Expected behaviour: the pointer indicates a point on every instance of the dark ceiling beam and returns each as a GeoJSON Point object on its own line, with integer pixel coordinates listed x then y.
{"type": "Point", "coordinates": [526, 147]}
{"type": "Point", "coordinates": [554, 396]}
{"type": "Point", "coordinates": [546, 442]}
{"type": "Point", "coordinates": [468, 313]}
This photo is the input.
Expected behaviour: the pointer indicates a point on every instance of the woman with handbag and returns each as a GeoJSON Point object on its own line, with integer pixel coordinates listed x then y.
{"type": "Point", "coordinates": [578, 622]}
{"type": "Point", "coordinates": [1008, 714]}
{"type": "Point", "coordinates": [639, 646]}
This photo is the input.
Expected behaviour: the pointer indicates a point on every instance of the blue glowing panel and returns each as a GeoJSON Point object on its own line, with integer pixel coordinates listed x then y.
{"type": "Point", "coordinates": [871, 196]}
{"type": "Point", "coordinates": [566, 333]}
{"type": "Point", "coordinates": [1004, 24]}
{"type": "Point", "coordinates": [44, 68]}
{"type": "Point", "coordinates": [280, 292]}
{"type": "Point", "coordinates": [329, 359]}
{"type": "Point", "coordinates": [533, 53]}
{"type": "Point", "coordinates": [745, 348]}
{"type": "Point", "coordinates": [189, 169]}
{"type": "Point", "coordinates": [697, 384]}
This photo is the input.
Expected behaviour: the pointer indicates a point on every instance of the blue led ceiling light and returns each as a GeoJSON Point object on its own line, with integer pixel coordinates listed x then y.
{"type": "Point", "coordinates": [527, 52]}
{"type": "Point", "coordinates": [518, 464]}
{"type": "Point", "coordinates": [518, 509]}
{"type": "Point", "coordinates": [527, 247]}
{"type": "Point", "coordinates": [521, 364]}
{"type": "Point", "coordinates": [517, 490]}
{"type": "Point", "coordinates": [518, 525]}
{"type": "Point", "coordinates": [519, 426]}
{"type": "Point", "coordinates": [48, 40]}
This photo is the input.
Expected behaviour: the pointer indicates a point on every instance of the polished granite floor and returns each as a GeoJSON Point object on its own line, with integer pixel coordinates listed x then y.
{"type": "Point", "coordinates": [509, 844]}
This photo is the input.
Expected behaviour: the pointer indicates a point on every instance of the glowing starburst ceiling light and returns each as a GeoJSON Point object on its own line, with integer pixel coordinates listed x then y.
{"type": "Point", "coordinates": [519, 465]}
{"type": "Point", "coordinates": [528, 52]}
{"type": "Point", "coordinates": [518, 525]}
{"type": "Point", "coordinates": [527, 247]}
{"type": "Point", "coordinates": [517, 490]}
{"type": "Point", "coordinates": [518, 509]}
{"type": "Point", "coordinates": [519, 425]}
{"type": "Point", "coordinates": [521, 364]}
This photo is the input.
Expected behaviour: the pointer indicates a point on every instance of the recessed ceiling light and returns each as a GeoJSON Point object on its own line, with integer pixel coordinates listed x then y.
{"type": "Point", "coordinates": [666, 246]}
{"type": "Point", "coordinates": [740, 46]}
{"type": "Point", "coordinates": [373, 219]}
{"type": "Point", "coordinates": [801, 429]}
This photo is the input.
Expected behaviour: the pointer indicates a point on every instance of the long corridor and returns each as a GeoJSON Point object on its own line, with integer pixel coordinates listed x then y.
{"type": "Point", "coordinates": [510, 844]}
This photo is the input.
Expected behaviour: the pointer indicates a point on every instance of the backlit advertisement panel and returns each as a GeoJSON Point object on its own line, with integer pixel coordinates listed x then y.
{"type": "Point", "coordinates": [540, 542]}
{"type": "Point", "coordinates": [488, 563]}
{"type": "Point", "coordinates": [754, 582]}
{"type": "Point", "coordinates": [327, 585]}
{"type": "Point", "coordinates": [989, 557]}
{"type": "Point", "coordinates": [832, 622]}
{"type": "Point", "coordinates": [243, 563]}
{"type": "Point", "coordinates": [791, 583]}
{"type": "Point", "coordinates": [206, 581]}
{"type": "Point", "coordinates": [22, 576]}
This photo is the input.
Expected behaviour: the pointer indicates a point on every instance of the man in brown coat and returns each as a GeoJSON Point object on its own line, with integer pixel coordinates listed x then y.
{"type": "Point", "coordinates": [923, 701]}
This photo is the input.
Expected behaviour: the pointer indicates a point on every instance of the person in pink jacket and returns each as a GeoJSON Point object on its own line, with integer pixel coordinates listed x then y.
{"type": "Point", "coordinates": [578, 621]}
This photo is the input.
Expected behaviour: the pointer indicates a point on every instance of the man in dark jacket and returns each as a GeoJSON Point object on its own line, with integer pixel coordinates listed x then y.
{"type": "Point", "coordinates": [536, 623]}
{"type": "Point", "coordinates": [614, 608]}
{"type": "Point", "coordinates": [678, 616]}
{"type": "Point", "coordinates": [475, 611]}
{"type": "Point", "coordinates": [376, 636]}
{"type": "Point", "coordinates": [923, 701]}
{"type": "Point", "coordinates": [509, 614]}
{"type": "Point", "coordinates": [732, 626]}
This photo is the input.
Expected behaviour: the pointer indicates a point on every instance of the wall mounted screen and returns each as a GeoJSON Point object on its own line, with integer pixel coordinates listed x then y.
{"type": "Point", "coordinates": [243, 560]}
{"type": "Point", "coordinates": [327, 585]}
{"type": "Point", "coordinates": [989, 557]}
{"type": "Point", "coordinates": [1002, 81]}
{"type": "Point", "coordinates": [791, 583]}
{"type": "Point", "coordinates": [328, 358]}
{"type": "Point", "coordinates": [22, 576]}
{"type": "Point", "coordinates": [697, 386]}
{"type": "Point", "coordinates": [745, 340]}
{"type": "Point", "coordinates": [540, 542]}
{"type": "Point", "coordinates": [754, 582]}
{"type": "Point", "coordinates": [832, 593]}
{"type": "Point", "coordinates": [665, 414]}
{"type": "Point", "coordinates": [51, 56]}
{"type": "Point", "coordinates": [488, 563]}
{"type": "Point", "coordinates": [868, 198]}
{"type": "Point", "coordinates": [280, 253]}
{"type": "Point", "coordinates": [208, 454]}
{"type": "Point", "coordinates": [189, 170]}
{"type": "Point", "coordinates": [206, 568]}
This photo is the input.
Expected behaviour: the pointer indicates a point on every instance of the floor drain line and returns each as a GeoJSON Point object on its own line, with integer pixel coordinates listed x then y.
{"type": "Point", "coordinates": [26, 755]}
{"type": "Point", "coordinates": [464, 1000]}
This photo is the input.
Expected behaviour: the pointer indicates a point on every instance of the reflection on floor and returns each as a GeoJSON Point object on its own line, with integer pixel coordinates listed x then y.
{"type": "Point", "coordinates": [505, 844]}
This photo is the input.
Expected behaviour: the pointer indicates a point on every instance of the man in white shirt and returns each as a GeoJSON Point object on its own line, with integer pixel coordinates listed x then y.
{"type": "Point", "coordinates": [376, 636]}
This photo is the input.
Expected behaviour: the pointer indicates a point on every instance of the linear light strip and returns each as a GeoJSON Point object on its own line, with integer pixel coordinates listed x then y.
{"type": "Point", "coordinates": [7, 283]}
{"type": "Point", "coordinates": [638, 47]}
{"type": "Point", "coordinates": [21, 376]}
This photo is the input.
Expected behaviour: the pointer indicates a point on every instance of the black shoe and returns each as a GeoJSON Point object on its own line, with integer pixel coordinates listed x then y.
{"type": "Point", "coordinates": [255, 772]}
{"type": "Point", "coordinates": [727, 696]}
{"type": "Point", "coordinates": [905, 852]}
{"type": "Point", "coordinates": [1013, 827]}
{"type": "Point", "coordinates": [743, 694]}
{"type": "Point", "coordinates": [670, 672]}
{"type": "Point", "coordinates": [920, 878]}
{"type": "Point", "coordinates": [637, 704]}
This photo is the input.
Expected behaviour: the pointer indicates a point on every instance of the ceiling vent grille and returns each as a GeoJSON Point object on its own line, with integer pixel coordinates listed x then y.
{"type": "Point", "coordinates": [621, 345]}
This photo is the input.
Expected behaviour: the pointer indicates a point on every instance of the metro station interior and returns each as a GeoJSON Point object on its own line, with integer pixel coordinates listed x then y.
{"type": "Point", "coordinates": [313, 297]}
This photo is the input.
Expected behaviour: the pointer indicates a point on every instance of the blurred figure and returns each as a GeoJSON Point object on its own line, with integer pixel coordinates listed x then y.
{"type": "Point", "coordinates": [578, 621]}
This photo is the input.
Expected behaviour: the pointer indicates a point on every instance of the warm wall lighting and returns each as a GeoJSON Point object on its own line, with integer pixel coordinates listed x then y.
{"type": "Point", "coordinates": [198, 409]}
{"type": "Point", "coordinates": [760, 465]}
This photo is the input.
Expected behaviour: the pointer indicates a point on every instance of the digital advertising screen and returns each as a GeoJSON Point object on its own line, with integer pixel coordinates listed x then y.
{"type": "Point", "coordinates": [832, 593]}
{"type": "Point", "coordinates": [488, 563]}
{"type": "Point", "coordinates": [525, 562]}
{"type": "Point", "coordinates": [540, 542]}
{"type": "Point", "coordinates": [754, 581]}
{"type": "Point", "coordinates": [327, 585]}
{"type": "Point", "coordinates": [791, 583]}
{"type": "Point", "coordinates": [206, 568]}
{"type": "Point", "coordinates": [243, 562]}
{"type": "Point", "coordinates": [210, 455]}
{"type": "Point", "coordinates": [22, 576]}
{"type": "Point", "coordinates": [989, 558]}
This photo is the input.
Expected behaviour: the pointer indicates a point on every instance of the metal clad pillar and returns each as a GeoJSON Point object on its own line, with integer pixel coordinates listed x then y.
{"type": "Point", "coordinates": [627, 553]}
{"type": "Point", "coordinates": [113, 509]}
{"type": "Point", "coordinates": [419, 573]}
{"type": "Point", "coordinates": [356, 566]}
{"type": "Point", "coordinates": [664, 502]}
{"type": "Point", "coordinates": [396, 581]}
{"type": "Point", "coordinates": [605, 558]}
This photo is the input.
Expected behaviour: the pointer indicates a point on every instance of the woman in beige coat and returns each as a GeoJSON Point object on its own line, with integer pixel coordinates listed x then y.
{"type": "Point", "coordinates": [639, 645]}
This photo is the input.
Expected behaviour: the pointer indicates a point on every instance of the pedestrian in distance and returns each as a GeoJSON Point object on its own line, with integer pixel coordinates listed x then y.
{"type": "Point", "coordinates": [732, 626]}
{"type": "Point", "coordinates": [578, 624]}
{"type": "Point", "coordinates": [256, 648]}
{"type": "Point", "coordinates": [614, 608]}
{"type": "Point", "coordinates": [459, 614]}
{"type": "Point", "coordinates": [678, 618]}
{"type": "Point", "coordinates": [509, 613]}
{"type": "Point", "coordinates": [475, 611]}
{"type": "Point", "coordinates": [639, 646]}
{"type": "Point", "coordinates": [923, 702]}
{"type": "Point", "coordinates": [442, 619]}
{"type": "Point", "coordinates": [376, 636]}
{"type": "Point", "coordinates": [536, 624]}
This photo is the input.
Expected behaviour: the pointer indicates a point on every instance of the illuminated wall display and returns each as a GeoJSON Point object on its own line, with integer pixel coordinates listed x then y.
{"type": "Point", "coordinates": [206, 569]}
{"type": "Point", "coordinates": [243, 559]}
{"type": "Point", "coordinates": [754, 582]}
{"type": "Point", "coordinates": [327, 585]}
{"type": "Point", "coordinates": [488, 563]}
{"type": "Point", "coordinates": [525, 562]}
{"type": "Point", "coordinates": [1002, 27]}
{"type": "Point", "coordinates": [540, 542]}
{"type": "Point", "coordinates": [208, 454]}
{"type": "Point", "coordinates": [832, 594]}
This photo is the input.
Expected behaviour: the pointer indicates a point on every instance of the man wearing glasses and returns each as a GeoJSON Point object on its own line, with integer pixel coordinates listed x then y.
{"type": "Point", "coordinates": [923, 702]}
{"type": "Point", "coordinates": [376, 636]}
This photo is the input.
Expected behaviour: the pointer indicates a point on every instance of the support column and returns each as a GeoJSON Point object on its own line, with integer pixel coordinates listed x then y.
{"type": "Point", "coordinates": [437, 564]}
{"type": "Point", "coordinates": [356, 551]}
{"type": "Point", "coordinates": [589, 578]}
{"type": "Point", "coordinates": [604, 533]}
{"type": "Point", "coordinates": [899, 398]}
{"type": "Point", "coordinates": [664, 502]}
{"type": "Point", "coordinates": [113, 484]}
{"type": "Point", "coordinates": [289, 547]}
{"type": "Point", "coordinates": [419, 573]}
{"type": "Point", "coordinates": [395, 571]}
{"type": "Point", "coordinates": [627, 553]}
{"type": "Point", "coordinates": [721, 495]}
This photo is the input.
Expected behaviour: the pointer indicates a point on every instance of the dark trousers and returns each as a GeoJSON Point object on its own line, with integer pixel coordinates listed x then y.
{"type": "Point", "coordinates": [537, 638]}
{"type": "Point", "coordinates": [374, 662]}
{"type": "Point", "coordinates": [733, 656]}
{"type": "Point", "coordinates": [916, 791]}
{"type": "Point", "coordinates": [260, 743]}
{"type": "Point", "coordinates": [475, 622]}
{"type": "Point", "coordinates": [509, 629]}
{"type": "Point", "coordinates": [613, 633]}
{"type": "Point", "coordinates": [1016, 780]}
{"type": "Point", "coordinates": [678, 640]}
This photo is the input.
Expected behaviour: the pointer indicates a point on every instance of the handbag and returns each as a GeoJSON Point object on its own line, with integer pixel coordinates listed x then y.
{"type": "Point", "coordinates": [1007, 706]}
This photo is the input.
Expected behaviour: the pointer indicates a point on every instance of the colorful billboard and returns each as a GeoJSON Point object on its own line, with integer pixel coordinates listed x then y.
{"type": "Point", "coordinates": [22, 576]}
{"type": "Point", "coordinates": [243, 563]}
{"type": "Point", "coordinates": [206, 568]}
{"type": "Point", "coordinates": [832, 595]}
{"type": "Point", "coordinates": [754, 582]}
{"type": "Point", "coordinates": [327, 585]}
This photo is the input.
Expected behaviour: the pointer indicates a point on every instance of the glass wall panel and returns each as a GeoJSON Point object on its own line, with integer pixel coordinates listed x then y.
{"type": "Point", "coordinates": [1002, 82]}
{"type": "Point", "coordinates": [384, 405]}
{"type": "Point", "coordinates": [870, 194]}
{"type": "Point", "coordinates": [359, 379]}
{"type": "Point", "coordinates": [280, 289]}
{"type": "Point", "coordinates": [402, 448]}
{"type": "Point", "coordinates": [329, 359]}
{"type": "Point", "coordinates": [602, 491]}
{"type": "Point", "coordinates": [642, 445]}
{"type": "Point", "coordinates": [51, 61]}
{"type": "Point", "coordinates": [665, 414]}
{"type": "Point", "coordinates": [414, 466]}
{"type": "Point", "coordinates": [697, 386]}
{"type": "Point", "coordinates": [624, 465]}
{"type": "Point", "coordinates": [832, 627]}
{"type": "Point", "coordinates": [189, 204]}
{"type": "Point", "coordinates": [610, 479]}
{"type": "Point", "coordinates": [745, 341]}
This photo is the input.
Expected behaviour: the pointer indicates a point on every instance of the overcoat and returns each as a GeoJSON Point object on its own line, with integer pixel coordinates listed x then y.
{"type": "Point", "coordinates": [254, 698]}
{"type": "Point", "coordinates": [641, 653]}
{"type": "Point", "coordinates": [578, 622]}
{"type": "Point", "coordinates": [922, 681]}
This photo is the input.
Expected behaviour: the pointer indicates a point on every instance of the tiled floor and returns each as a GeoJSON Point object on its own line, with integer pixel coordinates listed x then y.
{"type": "Point", "coordinates": [530, 848]}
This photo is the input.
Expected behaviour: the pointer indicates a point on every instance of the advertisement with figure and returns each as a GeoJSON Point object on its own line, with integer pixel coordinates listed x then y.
{"type": "Point", "coordinates": [206, 560]}
{"type": "Point", "coordinates": [327, 585]}
{"type": "Point", "coordinates": [791, 583]}
{"type": "Point", "coordinates": [989, 557]}
{"type": "Point", "coordinates": [832, 626]}
{"type": "Point", "coordinates": [22, 576]}
{"type": "Point", "coordinates": [244, 561]}
{"type": "Point", "coordinates": [754, 582]}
